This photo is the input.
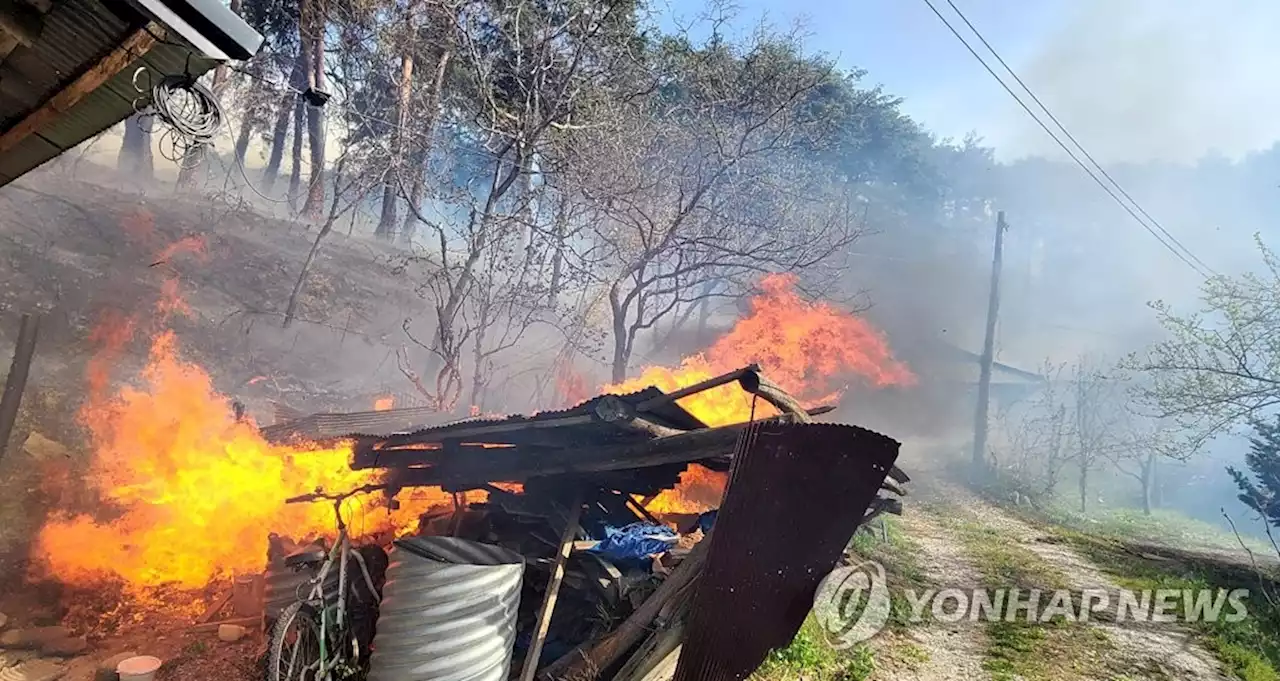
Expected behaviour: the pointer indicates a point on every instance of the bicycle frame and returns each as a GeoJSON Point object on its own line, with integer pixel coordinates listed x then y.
{"type": "Point", "coordinates": [341, 554]}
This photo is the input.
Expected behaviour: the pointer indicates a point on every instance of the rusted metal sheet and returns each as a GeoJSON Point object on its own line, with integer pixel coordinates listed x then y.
{"type": "Point", "coordinates": [796, 494]}
{"type": "Point", "coordinates": [372, 423]}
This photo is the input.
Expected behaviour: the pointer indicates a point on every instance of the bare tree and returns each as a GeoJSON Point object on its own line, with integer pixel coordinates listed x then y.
{"type": "Point", "coordinates": [525, 69]}
{"type": "Point", "coordinates": [1219, 365]}
{"type": "Point", "coordinates": [349, 189]}
{"type": "Point", "coordinates": [706, 177]}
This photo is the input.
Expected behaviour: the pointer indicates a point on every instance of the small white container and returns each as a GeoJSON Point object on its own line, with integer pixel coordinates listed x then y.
{"type": "Point", "coordinates": [140, 668]}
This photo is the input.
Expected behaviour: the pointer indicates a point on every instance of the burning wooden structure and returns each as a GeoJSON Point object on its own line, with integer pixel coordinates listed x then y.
{"type": "Point", "coordinates": [563, 486]}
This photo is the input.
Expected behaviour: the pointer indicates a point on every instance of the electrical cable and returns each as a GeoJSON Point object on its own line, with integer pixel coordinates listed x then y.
{"type": "Point", "coordinates": [1073, 139]}
{"type": "Point", "coordinates": [189, 111]}
{"type": "Point", "coordinates": [1089, 171]}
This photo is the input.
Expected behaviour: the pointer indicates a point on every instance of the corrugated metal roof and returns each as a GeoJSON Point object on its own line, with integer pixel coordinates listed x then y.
{"type": "Point", "coordinates": [365, 423]}
{"type": "Point", "coordinates": [671, 415]}
{"type": "Point", "coordinates": [76, 35]}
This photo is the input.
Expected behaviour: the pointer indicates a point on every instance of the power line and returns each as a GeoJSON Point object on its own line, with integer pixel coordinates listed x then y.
{"type": "Point", "coordinates": [1202, 271]}
{"type": "Point", "coordinates": [1074, 141]}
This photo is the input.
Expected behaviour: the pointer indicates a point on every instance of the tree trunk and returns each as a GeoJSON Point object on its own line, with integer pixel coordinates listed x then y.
{"type": "Point", "coordinates": [1148, 482]}
{"type": "Point", "coordinates": [557, 253]}
{"type": "Point", "coordinates": [135, 151]}
{"type": "Point", "coordinates": [295, 173]}
{"type": "Point", "coordinates": [280, 133]}
{"type": "Point", "coordinates": [189, 167]}
{"type": "Point", "coordinates": [1084, 486]}
{"type": "Point", "coordinates": [417, 162]}
{"type": "Point", "coordinates": [423, 153]}
{"type": "Point", "coordinates": [391, 191]}
{"type": "Point", "coordinates": [621, 353]}
{"type": "Point", "coordinates": [314, 207]}
{"type": "Point", "coordinates": [242, 142]}
{"type": "Point", "coordinates": [478, 379]}
{"type": "Point", "coordinates": [704, 311]}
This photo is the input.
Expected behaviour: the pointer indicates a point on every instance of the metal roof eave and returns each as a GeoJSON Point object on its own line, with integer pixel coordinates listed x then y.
{"type": "Point", "coordinates": [208, 26]}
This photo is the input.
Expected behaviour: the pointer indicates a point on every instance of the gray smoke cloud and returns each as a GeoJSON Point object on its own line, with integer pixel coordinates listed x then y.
{"type": "Point", "coordinates": [1144, 80]}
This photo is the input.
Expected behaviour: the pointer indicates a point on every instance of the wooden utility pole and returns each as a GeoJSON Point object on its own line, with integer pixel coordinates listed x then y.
{"type": "Point", "coordinates": [988, 350]}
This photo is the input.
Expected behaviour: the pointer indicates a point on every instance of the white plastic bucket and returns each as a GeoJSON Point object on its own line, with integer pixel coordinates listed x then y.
{"type": "Point", "coordinates": [139, 668]}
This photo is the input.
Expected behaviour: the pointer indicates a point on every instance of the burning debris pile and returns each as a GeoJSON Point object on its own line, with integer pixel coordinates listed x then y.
{"type": "Point", "coordinates": [575, 507]}
{"type": "Point", "coordinates": [619, 509]}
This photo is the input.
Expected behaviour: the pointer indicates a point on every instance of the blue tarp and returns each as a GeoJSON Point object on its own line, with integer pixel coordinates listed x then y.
{"type": "Point", "coordinates": [633, 544]}
{"type": "Point", "coordinates": [707, 520]}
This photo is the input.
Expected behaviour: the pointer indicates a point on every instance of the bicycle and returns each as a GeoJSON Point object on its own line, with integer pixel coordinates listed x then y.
{"type": "Point", "coordinates": [313, 639]}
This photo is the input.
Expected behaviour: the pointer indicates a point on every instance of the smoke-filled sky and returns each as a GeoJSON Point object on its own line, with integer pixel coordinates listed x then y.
{"type": "Point", "coordinates": [1134, 80]}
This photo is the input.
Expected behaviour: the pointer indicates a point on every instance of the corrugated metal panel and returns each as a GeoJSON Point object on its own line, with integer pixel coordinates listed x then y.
{"type": "Point", "coordinates": [365, 423]}
{"type": "Point", "coordinates": [796, 494]}
{"type": "Point", "coordinates": [76, 34]}
{"type": "Point", "coordinates": [448, 612]}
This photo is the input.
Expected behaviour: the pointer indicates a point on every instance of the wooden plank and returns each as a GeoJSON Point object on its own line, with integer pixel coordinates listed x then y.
{"type": "Point", "coordinates": [585, 662]}
{"type": "Point", "coordinates": [218, 604]}
{"type": "Point", "coordinates": [543, 623]}
{"type": "Point", "coordinates": [133, 47]}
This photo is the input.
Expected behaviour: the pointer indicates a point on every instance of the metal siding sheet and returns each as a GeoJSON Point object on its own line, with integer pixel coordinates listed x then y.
{"type": "Point", "coordinates": [796, 494]}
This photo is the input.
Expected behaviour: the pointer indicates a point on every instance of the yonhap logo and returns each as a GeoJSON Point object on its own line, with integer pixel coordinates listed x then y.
{"type": "Point", "coordinates": [852, 604]}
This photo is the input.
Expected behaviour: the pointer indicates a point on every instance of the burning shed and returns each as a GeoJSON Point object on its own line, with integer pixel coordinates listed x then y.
{"type": "Point", "coordinates": [571, 491]}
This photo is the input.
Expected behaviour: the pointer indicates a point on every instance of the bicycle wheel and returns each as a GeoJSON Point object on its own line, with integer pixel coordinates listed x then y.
{"type": "Point", "coordinates": [294, 654]}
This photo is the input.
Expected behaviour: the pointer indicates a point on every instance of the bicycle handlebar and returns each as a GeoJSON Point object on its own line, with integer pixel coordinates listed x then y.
{"type": "Point", "coordinates": [319, 494]}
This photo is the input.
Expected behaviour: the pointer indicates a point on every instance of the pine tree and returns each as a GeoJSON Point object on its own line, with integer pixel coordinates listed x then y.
{"type": "Point", "coordinates": [1262, 493]}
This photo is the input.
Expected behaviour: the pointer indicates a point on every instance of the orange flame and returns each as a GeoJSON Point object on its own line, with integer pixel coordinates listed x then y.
{"type": "Point", "coordinates": [196, 491]}
{"type": "Point", "coordinates": [384, 403]}
{"type": "Point", "coordinates": [810, 349]}
{"type": "Point", "coordinates": [190, 492]}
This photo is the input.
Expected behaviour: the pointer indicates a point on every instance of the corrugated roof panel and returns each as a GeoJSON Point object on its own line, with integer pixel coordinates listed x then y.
{"type": "Point", "coordinates": [28, 153]}
{"type": "Point", "coordinates": [83, 121]}
{"type": "Point", "coordinates": [76, 34]}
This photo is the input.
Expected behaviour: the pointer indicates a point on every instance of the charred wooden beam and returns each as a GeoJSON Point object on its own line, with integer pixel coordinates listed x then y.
{"type": "Point", "coordinates": [516, 464]}
{"type": "Point", "coordinates": [755, 383]}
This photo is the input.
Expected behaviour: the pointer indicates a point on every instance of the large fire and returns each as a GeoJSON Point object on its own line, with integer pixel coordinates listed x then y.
{"type": "Point", "coordinates": [192, 490]}
{"type": "Point", "coordinates": [813, 350]}
{"type": "Point", "coordinates": [189, 491]}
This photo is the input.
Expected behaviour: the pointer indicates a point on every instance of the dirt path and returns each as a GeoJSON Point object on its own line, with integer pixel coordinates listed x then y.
{"type": "Point", "coordinates": [1158, 652]}
{"type": "Point", "coordinates": [950, 651]}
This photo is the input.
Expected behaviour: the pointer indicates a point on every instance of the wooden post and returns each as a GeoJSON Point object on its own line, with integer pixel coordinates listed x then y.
{"type": "Point", "coordinates": [988, 351]}
{"type": "Point", "coordinates": [543, 623]}
{"type": "Point", "coordinates": [16, 382]}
